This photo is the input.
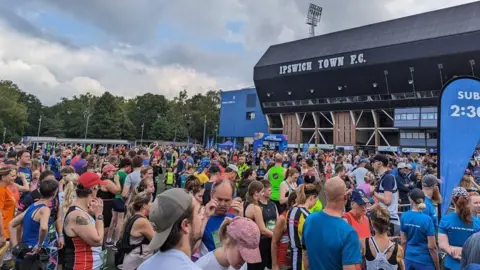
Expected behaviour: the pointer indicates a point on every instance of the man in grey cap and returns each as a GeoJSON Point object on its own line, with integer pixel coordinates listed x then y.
{"type": "Point", "coordinates": [178, 219]}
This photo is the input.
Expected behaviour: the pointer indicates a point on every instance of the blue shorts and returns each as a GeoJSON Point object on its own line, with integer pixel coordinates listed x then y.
{"type": "Point", "coordinates": [409, 265]}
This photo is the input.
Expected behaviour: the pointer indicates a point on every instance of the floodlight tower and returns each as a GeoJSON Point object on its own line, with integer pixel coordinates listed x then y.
{"type": "Point", "coordinates": [313, 17]}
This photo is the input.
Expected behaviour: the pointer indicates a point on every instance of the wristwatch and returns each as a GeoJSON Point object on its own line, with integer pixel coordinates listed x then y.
{"type": "Point", "coordinates": [100, 217]}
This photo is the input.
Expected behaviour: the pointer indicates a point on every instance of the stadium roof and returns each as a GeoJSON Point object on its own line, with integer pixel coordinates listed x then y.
{"type": "Point", "coordinates": [415, 54]}
{"type": "Point", "coordinates": [440, 23]}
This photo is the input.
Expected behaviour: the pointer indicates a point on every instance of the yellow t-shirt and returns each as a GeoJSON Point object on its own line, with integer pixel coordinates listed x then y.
{"type": "Point", "coordinates": [202, 177]}
{"type": "Point", "coordinates": [317, 207]}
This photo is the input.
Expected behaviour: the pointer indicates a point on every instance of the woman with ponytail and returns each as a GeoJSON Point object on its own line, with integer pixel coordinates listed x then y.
{"type": "Point", "coordinates": [418, 235]}
{"type": "Point", "coordinates": [307, 196]}
{"type": "Point", "coordinates": [456, 227]}
{"type": "Point", "coordinates": [240, 238]}
{"type": "Point", "coordinates": [137, 232]}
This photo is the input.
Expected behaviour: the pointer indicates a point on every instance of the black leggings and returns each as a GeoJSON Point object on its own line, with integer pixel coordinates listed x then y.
{"type": "Point", "coordinates": [266, 253]}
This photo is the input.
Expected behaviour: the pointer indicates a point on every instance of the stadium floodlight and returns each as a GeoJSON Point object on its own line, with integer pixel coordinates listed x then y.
{"type": "Point", "coordinates": [313, 17]}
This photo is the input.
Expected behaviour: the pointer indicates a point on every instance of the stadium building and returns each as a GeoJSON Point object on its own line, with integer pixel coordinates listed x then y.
{"type": "Point", "coordinates": [241, 115]}
{"type": "Point", "coordinates": [371, 87]}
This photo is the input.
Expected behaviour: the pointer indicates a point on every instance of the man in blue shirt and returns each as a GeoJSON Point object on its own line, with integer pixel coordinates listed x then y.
{"type": "Point", "coordinates": [329, 241]}
{"type": "Point", "coordinates": [55, 163]}
{"type": "Point", "coordinates": [222, 199]}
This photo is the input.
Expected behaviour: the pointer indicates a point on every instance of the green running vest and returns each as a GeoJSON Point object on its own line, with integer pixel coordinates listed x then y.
{"type": "Point", "coordinates": [169, 178]}
{"type": "Point", "coordinates": [276, 177]}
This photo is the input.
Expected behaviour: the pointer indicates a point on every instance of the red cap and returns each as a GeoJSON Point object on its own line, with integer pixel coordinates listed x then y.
{"type": "Point", "coordinates": [109, 168]}
{"type": "Point", "coordinates": [90, 179]}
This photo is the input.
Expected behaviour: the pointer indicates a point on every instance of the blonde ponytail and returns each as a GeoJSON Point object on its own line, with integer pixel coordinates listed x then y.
{"type": "Point", "coordinates": [421, 206]}
{"type": "Point", "coordinates": [69, 191]}
{"type": "Point", "coordinates": [222, 232]}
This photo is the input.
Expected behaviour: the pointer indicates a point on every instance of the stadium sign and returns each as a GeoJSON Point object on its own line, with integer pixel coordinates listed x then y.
{"type": "Point", "coordinates": [323, 63]}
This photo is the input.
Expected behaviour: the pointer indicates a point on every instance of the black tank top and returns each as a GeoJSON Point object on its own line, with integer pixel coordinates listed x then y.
{"type": "Point", "coordinates": [105, 195]}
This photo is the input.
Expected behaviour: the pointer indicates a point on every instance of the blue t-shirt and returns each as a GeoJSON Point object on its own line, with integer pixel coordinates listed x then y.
{"type": "Point", "coordinates": [55, 164]}
{"type": "Point", "coordinates": [457, 232]}
{"type": "Point", "coordinates": [210, 236]}
{"type": "Point", "coordinates": [340, 238]}
{"type": "Point", "coordinates": [417, 227]}
{"type": "Point", "coordinates": [431, 211]}
{"type": "Point", "coordinates": [27, 171]}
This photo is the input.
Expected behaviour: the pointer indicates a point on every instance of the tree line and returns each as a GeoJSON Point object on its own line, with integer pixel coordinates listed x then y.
{"type": "Point", "coordinates": [109, 116]}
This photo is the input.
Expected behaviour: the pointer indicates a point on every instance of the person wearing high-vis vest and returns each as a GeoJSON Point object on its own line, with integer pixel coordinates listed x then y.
{"type": "Point", "coordinates": [169, 179]}
{"type": "Point", "coordinates": [276, 175]}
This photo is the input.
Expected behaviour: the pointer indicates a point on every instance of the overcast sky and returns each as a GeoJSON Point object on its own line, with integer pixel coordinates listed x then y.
{"type": "Point", "coordinates": [61, 48]}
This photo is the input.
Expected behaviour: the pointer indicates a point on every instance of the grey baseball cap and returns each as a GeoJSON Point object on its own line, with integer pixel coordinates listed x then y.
{"type": "Point", "coordinates": [166, 210]}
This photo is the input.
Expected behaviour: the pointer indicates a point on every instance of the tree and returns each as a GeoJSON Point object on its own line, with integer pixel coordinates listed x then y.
{"type": "Point", "coordinates": [147, 109]}
{"type": "Point", "coordinates": [110, 117]}
{"type": "Point", "coordinates": [12, 112]}
{"type": "Point", "coordinates": [106, 120]}
{"type": "Point", "coordinates": [162, 129]}
{"type": "Point", "coordinates": [53, 127]}
{"type": "Point", "coordinates": [34, 110]}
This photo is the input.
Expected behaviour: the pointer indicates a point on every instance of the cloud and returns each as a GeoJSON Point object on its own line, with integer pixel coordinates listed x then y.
{"type": "Point", "coordinates": [132, 58]}
{"type": "Point", "coordinates": [52, 70]}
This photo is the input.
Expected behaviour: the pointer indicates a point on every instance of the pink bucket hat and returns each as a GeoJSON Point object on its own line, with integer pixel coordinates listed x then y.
{"type": "Point", "coordinates": [247, 236]}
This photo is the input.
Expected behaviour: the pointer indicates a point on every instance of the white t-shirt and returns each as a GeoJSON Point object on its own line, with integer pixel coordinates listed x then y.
{"type": "Point", "coordinates": [359, 174]}
{"type": "Point", "coordinates": [209, 262]}
{"type": "Point", "coordinates": [166, 260]}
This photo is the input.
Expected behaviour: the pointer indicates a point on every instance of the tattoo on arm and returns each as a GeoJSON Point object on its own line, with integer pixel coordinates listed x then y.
{"type": "Point", "coordinates": [81, 221]}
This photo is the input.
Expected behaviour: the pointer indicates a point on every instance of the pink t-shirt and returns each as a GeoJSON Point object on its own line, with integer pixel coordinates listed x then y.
{"type": "Point", "coordinates": [366, 189]}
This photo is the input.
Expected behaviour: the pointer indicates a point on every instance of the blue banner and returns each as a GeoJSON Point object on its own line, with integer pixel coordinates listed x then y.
{"type": "Point", "coordinates": [459, 132]}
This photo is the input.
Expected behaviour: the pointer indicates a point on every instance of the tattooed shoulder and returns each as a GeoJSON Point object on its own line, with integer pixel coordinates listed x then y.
{"type": "Point", "coordinates": [81, 221]}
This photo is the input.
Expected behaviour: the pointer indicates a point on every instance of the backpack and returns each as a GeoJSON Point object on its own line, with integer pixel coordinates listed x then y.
{"type": "Point", "coordinates": [124, 246]}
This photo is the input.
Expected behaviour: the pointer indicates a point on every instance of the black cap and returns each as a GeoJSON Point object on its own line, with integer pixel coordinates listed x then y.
{"type": "Point", "coordinates": [381, 158]}
{"type": "Point", "coordinates": [416, 194]}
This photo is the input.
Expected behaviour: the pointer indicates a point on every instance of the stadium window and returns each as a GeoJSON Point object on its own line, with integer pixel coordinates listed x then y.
{"type": "Point", "coordinates": [415, 116]}
{"type": "Point", "coordinates": [402, 135]}
{"type": "Point", "coordinates": [404, 116]}
{"type": "Point", "coordinates": [431, 116]}
{"type": "Point", "coordinates": [251, 101]}
{"type": "Point", "coordinates": [432, 135]}
{"type": "Point", "coordinates": [397, 116]}
{"type": "Point", "coordinates": [250, 115]}
{"type": "Point", "coordinates": [409, 135]}
{"type": "Point", "coordinates": [410, 116]}
{"type": "Point", "coordinates": [421, 135]}
{"type": "Point", "coordinates": [424, 116]}
{"type": "Point", "coordinates": [415, 135]}
{"type": "Point", "coordinates": [435, 115]}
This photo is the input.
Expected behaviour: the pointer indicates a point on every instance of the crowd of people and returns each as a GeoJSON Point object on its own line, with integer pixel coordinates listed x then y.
{"type": "Point", "coordinates": [66, 207]}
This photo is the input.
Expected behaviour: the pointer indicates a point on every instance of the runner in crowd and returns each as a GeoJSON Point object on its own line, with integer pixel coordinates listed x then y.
{"type": "Point", "coordinates": [137, 232]}
{"type": "Point", "coordinates": [31, 252]}
{"type": "Point", "coordinates": [306, 198]}
{"type": "Point", "coordinates": [456, 227]}
{"type": "Point", "coordinates": [418, 235]}
{"type": "Point", "coordinates": [379, 251]}
{"type": "Point", "coordinates": [194, 187]}
{"type": "Point", "coordinates": [386, 192]}
{"type": "Point", "coordinates": [343, 249]}
{"type": "Point", "coordinates": [133, 178]}
{"type": "Point", "coordinates": [83, 226]}
{"type": "Point", "coordinates": [178, 219]}
{"type": "Point", "coordinates": [240, 241]}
